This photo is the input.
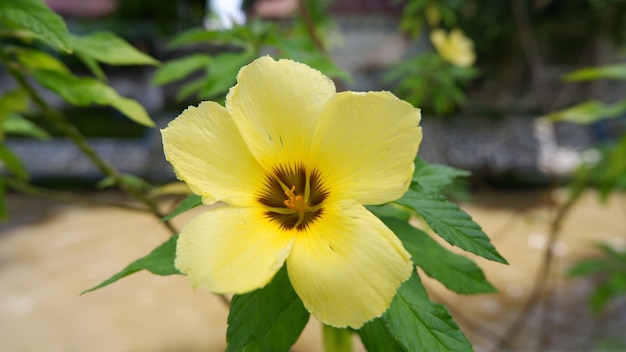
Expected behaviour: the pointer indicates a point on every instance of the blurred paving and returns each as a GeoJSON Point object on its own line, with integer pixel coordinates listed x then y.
{"type": "Point", "coordinates": [51, 251]}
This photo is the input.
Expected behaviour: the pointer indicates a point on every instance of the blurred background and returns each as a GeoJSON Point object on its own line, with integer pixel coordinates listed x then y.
{"type": "Point", "coordinates": [527, 95]}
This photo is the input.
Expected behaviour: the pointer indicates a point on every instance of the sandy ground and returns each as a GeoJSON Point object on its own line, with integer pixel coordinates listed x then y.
{"type": "Point", "coordinates": [51, 251]}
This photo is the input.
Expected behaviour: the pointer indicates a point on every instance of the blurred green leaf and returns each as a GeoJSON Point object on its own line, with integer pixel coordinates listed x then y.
{"type": "Point", "coordinates": [376, 337]}
{"type": "Point", "coordinates": [12, 162]}
{"type": "Point", "coordinates": [159, 262]}
{"type": "Point", "coordinates": [450, 222]}
{"type": "Point", "coordinates": [190, 88]}
{"type": "Point", "coordinates": [39, 60]}
{"type": "Point", "coordinates": [456, 272]}
{"type": "Point", "coordinates": [35, 16]}
{"type": "Point", "coordinates": [192, 201]}
{"type": "Point", "coordinates": [193, 36]}
{"type": "Point", "coordinates": [11, 102]}
{"type": "Point", "coordinates": [177, 69]}
{"type": "Point", "coordinates": [222, 73]}
{"type": "Point", "coordinates": [4, 213]}
{"type": "Point", "coordinates": [616, 71]}
{"type": "Point", "coordinates": [93, 66]}
{"type": "Point", "coordinates": [589, 112]}
{"type": "Point", "coordinates": [108, 48]}
{"type": "Point", "coordinates": [435, 177]}
{"type": "Point", "coordinates": [268, 319]}
{"type": "Point", "coordinates": [83, 91]}
{"type": "Point", "coordinates": [421, 325]}
{"type": "Point", "coordinates": [18, 125]}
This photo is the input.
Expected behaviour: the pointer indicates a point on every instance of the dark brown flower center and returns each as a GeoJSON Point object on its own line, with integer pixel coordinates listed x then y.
{"type": "Point", "coordinates": [293, 196]}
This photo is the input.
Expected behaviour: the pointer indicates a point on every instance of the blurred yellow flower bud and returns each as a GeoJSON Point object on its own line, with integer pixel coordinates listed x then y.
{"type": "Point", "coordinates": [454, 47]}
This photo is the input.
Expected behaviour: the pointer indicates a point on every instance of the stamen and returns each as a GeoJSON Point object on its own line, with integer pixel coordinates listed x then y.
{"type": "Point", "coordinates": [295, 202]}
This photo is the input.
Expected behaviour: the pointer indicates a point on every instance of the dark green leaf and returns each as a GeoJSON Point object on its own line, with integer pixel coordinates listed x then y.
{"type": "Point", "coordinates": [177, 69]}
{"type": "Point", "coordinates": [159, 262]}
{"type": "Point", "coordinates": [35, 16]}
{"type": "Point", "coordinates": [376, 337]}
{"type": "Point", "coordinates": [84, 91]}
{"type": "Point", "coordinates": [108, 48]}
{"type": "Point", "coordinates": [193, 36]}
{"type": "Point", "coordinates": [223, 73]}
{"type": "Point", "coordinates": [268, 319]}
{"type": "Point", "coordinates": [588, 267]}
{"type": "Point", "coordinates": [450, 222]}
{"type": "Point", "coordinates": [192, 201]}
{"type": "Point", "coordinates": [456, 272]}
{"type": "Point", "coordinates": [390, 210]}
{"type": "Point", "coordinates": [434, 177]}
{"type": "Point", "coordinates": [12, 162]}
{"type": "Point", "coordinates": [421, 325]}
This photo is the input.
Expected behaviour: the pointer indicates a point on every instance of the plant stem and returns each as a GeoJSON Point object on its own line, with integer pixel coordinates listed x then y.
{"type": "Point", "coordinates": [337, 340]}
{"type": "Point", "coordinates": [66, 128]}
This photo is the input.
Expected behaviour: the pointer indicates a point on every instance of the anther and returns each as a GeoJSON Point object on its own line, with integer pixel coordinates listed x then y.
{"type": "Point", "coordinates": [295, 202]}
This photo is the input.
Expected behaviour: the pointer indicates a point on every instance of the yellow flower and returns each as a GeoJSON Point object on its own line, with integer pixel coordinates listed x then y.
{"type": "Point", "coordinates": [294, 162]}
{"type": "Point", "coordinates": [455, 48]}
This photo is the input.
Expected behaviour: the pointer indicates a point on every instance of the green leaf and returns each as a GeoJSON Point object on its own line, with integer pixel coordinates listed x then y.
{"type": "Point", "coordinates": [35, 16]}
{"type": "Point", "coordinates": [456, 272]}
{"type": "Point", "coordinates": [376, 337]}
{"type": "Point", "coordinates": [589, 112]}
{"type": "Point", "coordinates": [12, 162]}
{"type": "Point", "coordinates": [223, 73]}
{"type": "Point", "coordinates": [159, 262]}
{"type": "Point", "coordinates": [84, 91]}
{"type": "Point", "coordinates": [4, 213]}
{"type": "Point", "coordinates": [421, 325]}
{"type": "Point", "coordinates": [336, 339]}
{"type": "Point", "coordinates": [616, 71]}
{"type": "Point", "coordinates": [192, 201]}
{"type": "Point", "coordinates": [268, 319]}
{"type": "Point", "coordinates": [450, 222]}
{"type": "Point", "coordinates": [39, 60]}
{"type": "Point", "coordinates": [434, 177]}
{"type": "Point", "coordinates": [588, 267]}
{"type": "Point", "coordinates": [193, 36]}
{"type": "Point", "coordinates": [177, 69]}
{"type": "Point", "coordinates": [18, 125]}
{"type": "Point", "coordinates": [108, 48]}
{"type": "Point", "coordinates": [11, 102]}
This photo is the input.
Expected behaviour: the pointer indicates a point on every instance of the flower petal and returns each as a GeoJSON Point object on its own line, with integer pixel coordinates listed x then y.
{"type": "Point", "coordinates": [275, 104]}
{"type": "Point", "coordinates": [365, 146]}
{"type": "Point", "coordinates": [347, 266]}
{"type": "Point", "coordinates": [207, 152]}
{"type": "Point", "coordinates": [231, 250]}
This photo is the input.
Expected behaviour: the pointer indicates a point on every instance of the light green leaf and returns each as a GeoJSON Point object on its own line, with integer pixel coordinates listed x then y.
{"type": "Point", "coordinates": [108, 48]}
{"type": "Point", "coordinates": [177, 69]}
{"type": "Point", "coordinates": [616, 71]}
{"type": "Point", "coordinates": [159, 262]}
{"type": "Point", "coordinates": [589, 112]}
{"type": "Point", "coordinates": [84, 91]}
{"type": "Point", "coordinates": [35, 16]}
{"type": "Point", "coordinates": [456, 272]}
{"type": "Point", "coordinates": [268, 319]}
{"type": "Point", "coordinates": [376, 337]}
{"type": "Point", "coordinates": [192, 201]}
{"type": "Point", "coordinates": [18, 125]}
{"type": "Point", "coordinates": [336, 339]}
{"type": "Point", "coordinates": [450, 222]}
{"type": "Point", "coordinates": [12, 162]}
{"type": "Point", "coordinates": [13, 101]}
{"type": "Point", "coordinates": [421, 325]}
{"type": "Point", "coordinates": [39, 60]}
{"type": "Point", "coordinates": [434, 177]}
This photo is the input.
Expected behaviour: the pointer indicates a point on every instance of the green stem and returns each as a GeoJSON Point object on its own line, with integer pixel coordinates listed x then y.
{"type": "Point", "coordinates": [337, 340]}
{"type": "Point", "coordinates": [66, 128]}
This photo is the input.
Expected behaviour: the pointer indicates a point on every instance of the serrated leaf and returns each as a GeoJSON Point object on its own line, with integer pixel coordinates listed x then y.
{"type": "Point", "coordinates": [616, 71]}
{"type": "Point", "coordinates": [268, 319]}
{"type": "Point", "coordinates": [418, 324]}
{"type": "Point", "coordinates": [192, 201]}
{"type": "Point", "coordinates": [85, 91]}
{"type": "Point", "coordinates": [18, 125]}
{"type": "Point", "coordinates": [12, 162]}
{"type": "Point", "coordinates": [108, 48]}
{"type": "Point", "coordinates": [456, 272]}
{"type": "Point", "coordinates": [450, 222]}
{"type": "Point", "coordinates": [589, 112]}
{"type": "Point", "coordinates": [376, 337]}
{"type": "Point", "coordinates": [36, 17]}
{"type": "Point", "coordinates": [435, 177]}
{"type": "Point", "coordinates": [159, 262]}
{"type": "Point", "coordinates": [177, 69]}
